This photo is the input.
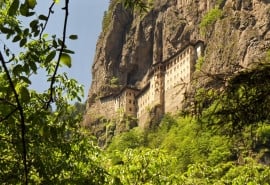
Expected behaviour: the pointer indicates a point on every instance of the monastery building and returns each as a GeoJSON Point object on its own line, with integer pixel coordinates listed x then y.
{"type": "Point", "coordinates": [164, 91]}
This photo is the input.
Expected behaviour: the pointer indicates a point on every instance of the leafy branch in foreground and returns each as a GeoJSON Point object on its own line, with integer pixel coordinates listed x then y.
{"type": "Point", "coordinates": [61, 54]}
{"type": "Point", "coordinates": [41, 141]}
{"type": "Point", "coordinates": [22, 117]}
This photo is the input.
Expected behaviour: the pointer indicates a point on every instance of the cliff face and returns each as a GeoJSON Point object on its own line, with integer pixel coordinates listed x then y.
{"type": "Point", "coordinates": [132, 42]}
{"type": "Point", "coordinates": [240, 38]}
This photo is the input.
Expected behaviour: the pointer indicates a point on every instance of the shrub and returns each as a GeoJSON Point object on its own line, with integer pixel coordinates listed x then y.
{"type": "Point", "coordinates": [132, 139]}
{"type": "Point", "coordinates": [209, 19]}
{"type": "Point", "coordinates": [199, 63]}
{"type": "Point", "coordinates": [107, 18]}
{"type": "Point", "coordinates": [114, 81]}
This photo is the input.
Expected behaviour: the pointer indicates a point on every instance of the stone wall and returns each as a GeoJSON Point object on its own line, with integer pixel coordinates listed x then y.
{"type": "Point", "coordinates": [102, 108]}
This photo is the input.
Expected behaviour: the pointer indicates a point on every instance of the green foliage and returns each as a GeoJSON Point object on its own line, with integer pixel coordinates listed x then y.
{"type": "Point", "coordinates": [156, 136]}
{"type": "Point", "coordinates": [150, 4]}
{"type": "Point", "coordinates": [244, 104]}
{"type": "Point", "coordinates": [137, 6]}
{"type": "Point", "coordinates": [13, 8]}
{"type": "Point", "coordinates": [107, 17]}
{"type": "Point", "coordinates": [66, 60]}
{"type": "Point", "coordinates": [41, 141]}
{"type": "Point", "coordinates": [199, 63]}
{"type": "Point", "coordinates": [114, 82]}
{"type": "Point", "coordinates": [267, 56]}
{"type": "Point", "coordinates": [249, 173]}
{"type": "Point", "coordinates": [191, 144]}
{"type": "Point", "coordinates": [263, 134]}
{"type": "Point", "coordinates": [227, 173]}
{"type": "Point", "coordinates": [186, 154]}
{"type": "Point", "coordinates": [132, 139]}
{"type": "Point", "coordinates": [143, 166]}
{"type": "Point", "coordinates": [209, 19]}
{"type": "Point", "coordinates": [57, 150]}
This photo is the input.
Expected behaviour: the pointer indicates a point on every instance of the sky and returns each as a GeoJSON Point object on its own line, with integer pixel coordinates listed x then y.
{"type": "Point", "coordinates": [84, 20]}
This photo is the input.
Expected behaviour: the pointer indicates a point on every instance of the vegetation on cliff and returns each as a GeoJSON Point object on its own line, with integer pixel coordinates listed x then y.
{"type": "Point", "coordinates": [209, 19]}
{"type": "Point", "coordinates": [135, 6]}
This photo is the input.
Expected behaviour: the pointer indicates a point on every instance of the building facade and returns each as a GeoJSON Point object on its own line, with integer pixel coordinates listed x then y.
{"type": "Point", "coordinates": [126, 101]}
{"type": "Point", "coordinates": [164, 92]}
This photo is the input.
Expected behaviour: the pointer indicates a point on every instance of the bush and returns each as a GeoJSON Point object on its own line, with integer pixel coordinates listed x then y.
{"type": "Point", "coordinates": [192, 144]}
{"type": "Point", "coordinates": [144, 166]}
{"type": "Point", "coordinates": [132, 139]}
{"type": "Point", "coordinates": [209, 19]}
{"type": "Point", "coordinates": [199, 63]}
{"type": "Point", "coordinates": [155, 136]}
{"type": "Point", "coordinates": [107, 18]}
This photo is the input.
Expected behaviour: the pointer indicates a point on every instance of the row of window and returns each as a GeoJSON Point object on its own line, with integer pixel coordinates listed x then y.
{"type": "Point", "coordinates": [170, 83]}
{"type": "Point", "coordinates": [179, 74]}
{"type": "Point", "coordinates": [184, 55]}
{"type": "Point", "coordinates": [180, 65]}
{"type": "Point", "coordinates": [183, 70]}
{"type": "Point", "coordinates": [131, 101]}
{"type": "Point", "coordinates": [144, 102]}
{"type": "Point", "coordinates": [131, 94]}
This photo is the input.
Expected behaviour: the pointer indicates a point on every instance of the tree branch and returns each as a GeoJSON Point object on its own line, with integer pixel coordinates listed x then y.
{"type": "Point", "coordinates": [48, 16]}
{"type": "Point", "coordinates": [7, 116]}
{"type": "Point", "coordinates": [59, 56]}
{"type": "Point", "coordinates": [7, 102]}
{"type": "Point", "coordinates": [22, 119]}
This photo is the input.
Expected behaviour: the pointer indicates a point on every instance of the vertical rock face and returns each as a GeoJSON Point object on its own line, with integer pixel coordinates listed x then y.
{"type": "Point", "coordinates": [133, 42]}
{"type": "Point", "coordinates": [239, 39]}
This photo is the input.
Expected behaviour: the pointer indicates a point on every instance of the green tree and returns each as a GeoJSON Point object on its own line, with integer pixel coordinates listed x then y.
{"type": "Point", "coordinates": [143, 166]}
{"type": "Point", "coordinates": [41, 141]}
{"type": "Point", "coordinates": [132, 139]}
{"type": "Point", "coordinates": [243, 106]}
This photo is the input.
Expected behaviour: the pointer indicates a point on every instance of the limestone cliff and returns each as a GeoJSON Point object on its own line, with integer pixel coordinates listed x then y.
{"type": "Point", "coordinates": [132, 43]}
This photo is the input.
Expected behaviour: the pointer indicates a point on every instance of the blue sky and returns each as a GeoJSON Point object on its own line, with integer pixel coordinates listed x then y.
{"type": "Point", "coordinates": [85, 19]}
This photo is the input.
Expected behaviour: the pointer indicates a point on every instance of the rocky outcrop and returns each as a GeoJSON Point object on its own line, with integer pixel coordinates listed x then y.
{"type": "Point", "coordinates": [236, 41]}
{"type": "Point", "coordinates": [133, 42]}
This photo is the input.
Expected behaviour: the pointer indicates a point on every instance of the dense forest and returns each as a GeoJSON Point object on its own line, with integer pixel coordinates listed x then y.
{"type": "Point", "coordinates": [224, 139]}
